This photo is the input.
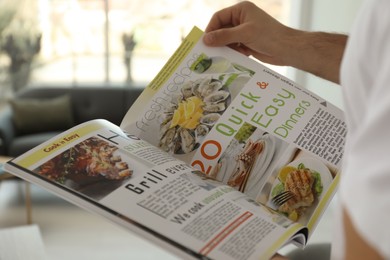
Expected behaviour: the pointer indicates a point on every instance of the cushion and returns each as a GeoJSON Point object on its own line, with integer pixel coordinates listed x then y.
{"type": "Point", "coordinates": [31, 115]}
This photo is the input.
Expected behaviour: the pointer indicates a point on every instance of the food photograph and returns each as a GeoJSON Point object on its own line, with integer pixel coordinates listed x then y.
{"type": "Point", "coordinates": [298, 185]}
{"type": "Point", "coordinates": [192, 114]}
{"type": "Point", "coordinates": [201, 101]}
{"type": "Point", "coordinates": [93, 167]}
{"type": "Point", "coordinates": [247, 161]}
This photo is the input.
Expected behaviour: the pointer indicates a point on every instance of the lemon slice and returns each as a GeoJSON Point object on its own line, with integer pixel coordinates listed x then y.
{"type": "Point", "coordinates": [293, 216]}
{"type": "Point", "coordinates": [189, 109]}
{"type": "Point", "coordinates": [284, 171]}
{"type": "Point", "coordinates": [176, 118]}
{"type": "Point", "coordinates": [197, 101]}
{"type": "Point", "coordinates": [180, 108]}
{"type": "Point", "coordinates": [193, 122]}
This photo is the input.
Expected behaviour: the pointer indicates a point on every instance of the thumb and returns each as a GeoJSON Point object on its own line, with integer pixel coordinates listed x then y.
{"type": "Point", "coordinates": [220, 37]}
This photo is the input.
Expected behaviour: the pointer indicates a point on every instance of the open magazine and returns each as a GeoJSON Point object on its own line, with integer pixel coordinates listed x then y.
{"type": "Point", "coordinates": [219, 158]}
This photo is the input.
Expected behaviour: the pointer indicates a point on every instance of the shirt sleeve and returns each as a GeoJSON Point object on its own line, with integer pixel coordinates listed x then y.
{"type": "Point", "coordinates": [365, 182]}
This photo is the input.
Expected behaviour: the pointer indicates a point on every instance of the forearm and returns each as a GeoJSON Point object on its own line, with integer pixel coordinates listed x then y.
{"type": "Point", "coordinates": [355, 246]}
{"type": "Point", "coordinates": [316, 52]}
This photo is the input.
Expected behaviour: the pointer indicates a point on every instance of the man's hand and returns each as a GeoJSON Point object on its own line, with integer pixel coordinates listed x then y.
{"type": "Point", "coordinates": [251, 31]}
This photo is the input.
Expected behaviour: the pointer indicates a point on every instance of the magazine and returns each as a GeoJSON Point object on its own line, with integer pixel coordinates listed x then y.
{"type": "Point", "coordinates": [219, 158]}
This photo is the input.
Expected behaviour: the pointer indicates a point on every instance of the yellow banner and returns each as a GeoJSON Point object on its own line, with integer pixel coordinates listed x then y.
{"type": "Point", "coordinates": [57, 144]}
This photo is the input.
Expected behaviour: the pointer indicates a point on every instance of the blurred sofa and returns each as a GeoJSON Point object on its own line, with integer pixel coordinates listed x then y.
{"type": "Point", "coordinates": [39, 113]}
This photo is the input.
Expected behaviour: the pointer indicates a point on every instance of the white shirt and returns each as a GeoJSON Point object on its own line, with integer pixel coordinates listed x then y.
{"type": "Point", "coordinates": [365, 79]}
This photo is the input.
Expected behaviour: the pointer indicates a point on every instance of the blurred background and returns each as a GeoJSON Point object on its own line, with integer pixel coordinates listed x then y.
{"type": "Point", "coordinates": [122, 42]}
{"type": "Point", "coordinates": [115, 42]}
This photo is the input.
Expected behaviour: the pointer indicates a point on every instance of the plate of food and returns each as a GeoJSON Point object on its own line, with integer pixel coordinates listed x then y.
{"type": "Point", "coordinates": [308, 179]}
{"type": "Point", "coordinates": [93, 167]}
{"type": "Point", "coordinates": [192, 113]}
{"type": "Point", "coordinates": [243, 165]}
{"type": "Point", "coordinates": [245, 161]}
{"type": "Point", "coordinates": [262, 164]}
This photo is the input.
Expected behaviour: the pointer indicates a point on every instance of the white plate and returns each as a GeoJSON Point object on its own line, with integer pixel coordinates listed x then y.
{"type": "Point", "coordinates": [262, 163]}
{"type": "Point", "coordinates": [314, 165]}
{"type": "Point", "coordinates": [229, 163]}
{"type": "Point", "coordinates": [318, 166]}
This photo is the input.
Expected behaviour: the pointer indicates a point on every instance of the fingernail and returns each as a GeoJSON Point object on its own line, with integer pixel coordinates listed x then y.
{"type": "Point", "coordinates": [209, 38]}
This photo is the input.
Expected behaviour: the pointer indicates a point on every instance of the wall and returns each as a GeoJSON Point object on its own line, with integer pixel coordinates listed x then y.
{"type": "Point", "coordinates": [319, 15]}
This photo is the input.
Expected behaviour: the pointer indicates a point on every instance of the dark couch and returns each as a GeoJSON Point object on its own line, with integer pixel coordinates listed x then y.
{"type": "Point", "coordinates": [85, 103]}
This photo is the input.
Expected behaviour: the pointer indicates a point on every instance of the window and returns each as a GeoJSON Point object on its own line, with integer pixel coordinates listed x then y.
{"type": "Point", "coordinates": [115, 42]}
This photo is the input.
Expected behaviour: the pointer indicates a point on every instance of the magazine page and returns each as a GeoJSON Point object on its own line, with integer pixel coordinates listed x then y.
{"type": "Point", "coordinates": [185, 100]}
{"type": "Point", "coordinates": [117, 175]}
{"type": "Point", "coordinates": [245, 125]}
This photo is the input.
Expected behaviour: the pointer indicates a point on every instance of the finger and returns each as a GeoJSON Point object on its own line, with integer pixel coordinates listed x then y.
{"type": "Point", "coordinates": [220, 19]}
{"type": "Point", "coordinates": [225, 36]}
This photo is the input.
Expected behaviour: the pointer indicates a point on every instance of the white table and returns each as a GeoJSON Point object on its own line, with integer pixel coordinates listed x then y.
{"type": "Point", "coordinates": [21, 243]}
{"type": "Point", "coordinates": [6, 176]}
